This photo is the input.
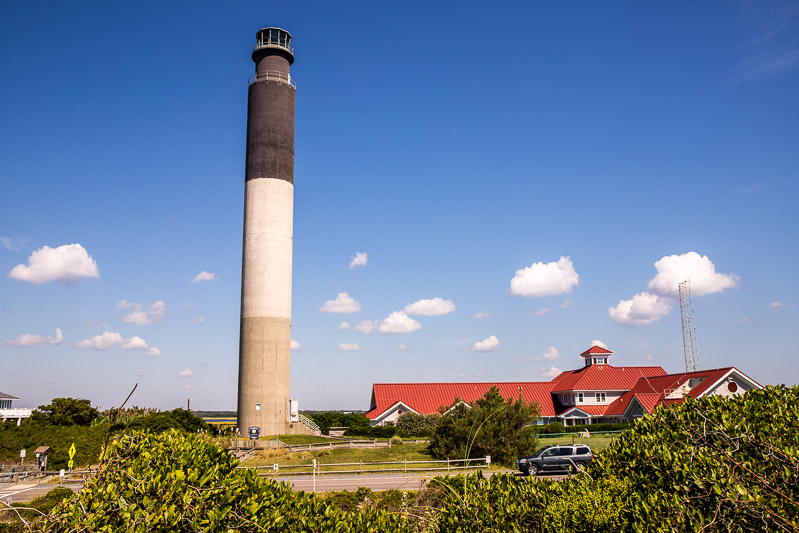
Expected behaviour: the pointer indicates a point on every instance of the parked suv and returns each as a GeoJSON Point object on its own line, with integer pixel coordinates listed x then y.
{"type": "Point", "coordinates": [572, 457]}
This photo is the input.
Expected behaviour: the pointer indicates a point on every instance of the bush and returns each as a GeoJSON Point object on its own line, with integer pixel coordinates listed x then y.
{"type": "Point", "coordinates": [396, 440]}
{"type": "Point", "coordinates": [337, 419]}
{"type": "Point", "coordinates": [418, 425]}
{"type": "Point", "coordinates": [65, 412]}
{"type": "Point", "coordinates": [162, 421]}
{"type": "Point", "coordinates": [174, 481]}
{"type": "Point", "coordinates": [375, 432]}
{"type": "Point", "coordinates": [492, 426]}
{"type": "Point", "coordinates": [88, 442]}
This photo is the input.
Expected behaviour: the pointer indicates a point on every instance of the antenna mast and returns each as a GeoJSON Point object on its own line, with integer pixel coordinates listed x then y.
{"type": "Point", "coordinates": [688, 329]}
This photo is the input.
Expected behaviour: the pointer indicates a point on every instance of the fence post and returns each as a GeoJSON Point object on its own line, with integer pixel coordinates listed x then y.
{"type": "Point", "coordinates": [447, 464]}
{"type": "Point", "coordinates": [360, 471]}
{"type": "Point", "coordinates": [406, 466]}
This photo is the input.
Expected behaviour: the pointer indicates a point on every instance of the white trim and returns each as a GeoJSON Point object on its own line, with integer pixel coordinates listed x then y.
{"type": "Point", "coordinates": [456, 404]}
{"type": "Point", "coordinates": [738, 374]}
{"type": "Point", "coordinates": [564, 413]}
{"type": "Point", "coordinates": [393, 407]}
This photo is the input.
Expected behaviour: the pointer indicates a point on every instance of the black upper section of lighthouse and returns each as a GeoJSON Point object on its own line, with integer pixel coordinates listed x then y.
{"type": "Point", "coordinates": [270, 108]}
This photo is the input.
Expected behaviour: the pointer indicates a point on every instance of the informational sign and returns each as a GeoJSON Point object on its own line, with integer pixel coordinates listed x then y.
{"type": "Point", "coordinates": [255, 432]}
{"type": "Point", "coordinates": [71, 463]}
{"type": "Point", "coordinates": [22, 453]}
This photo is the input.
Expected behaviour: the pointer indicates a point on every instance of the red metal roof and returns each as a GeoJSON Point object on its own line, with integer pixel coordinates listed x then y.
{"type": "Point", "coordinates": [605, 378]}
{"type": "Point", "coordinates": [596, 349]}
{"type": "Point", "coordinates": [427, 398]}
{"type": "Point", "coordinates": [652, 391]}
{"type": "Point", "coordinates": [593, 409]}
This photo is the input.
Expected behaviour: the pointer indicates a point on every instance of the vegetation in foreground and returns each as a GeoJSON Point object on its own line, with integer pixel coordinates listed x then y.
{"type": "Point", "coordinates": [711, 464]}
{"type": "Point", "coordinates": [68, 421]}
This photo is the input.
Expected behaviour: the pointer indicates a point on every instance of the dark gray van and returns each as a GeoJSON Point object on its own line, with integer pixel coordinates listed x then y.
{"type": "Point", "coordinates": [572, 457]}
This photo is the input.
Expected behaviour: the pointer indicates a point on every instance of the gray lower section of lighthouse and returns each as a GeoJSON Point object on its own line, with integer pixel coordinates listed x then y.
{"type": "Point", "coordinates": [265, 341]}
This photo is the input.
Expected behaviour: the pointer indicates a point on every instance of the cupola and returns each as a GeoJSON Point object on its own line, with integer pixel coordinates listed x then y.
{"type": "Point", "coordinates": [596, 355]}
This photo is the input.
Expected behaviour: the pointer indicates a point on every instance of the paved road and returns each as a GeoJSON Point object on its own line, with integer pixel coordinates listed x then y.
{"type": "Point", "coordinates": [375, 482]}
{"type": "Point", "coordinates": [27, 491]}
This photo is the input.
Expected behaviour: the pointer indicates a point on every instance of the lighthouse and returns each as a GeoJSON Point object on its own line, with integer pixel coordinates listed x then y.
{"type": "Point", "coordinates": [265, 337]}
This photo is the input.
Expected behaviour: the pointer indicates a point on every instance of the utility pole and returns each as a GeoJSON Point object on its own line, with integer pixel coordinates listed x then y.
{"type": "Point", "coordinates": [688, 329]}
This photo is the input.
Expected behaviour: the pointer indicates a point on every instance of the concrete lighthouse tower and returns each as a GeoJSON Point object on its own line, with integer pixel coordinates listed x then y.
{"type": "Point", "coordinates": [265, 341]}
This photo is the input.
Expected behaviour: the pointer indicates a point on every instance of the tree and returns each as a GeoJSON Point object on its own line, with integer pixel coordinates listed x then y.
{"type": "Point", "coordinates": [66, 412]}
{"type": "Point", "coordinates": [492, 426]}
{"type": "Point", "coordinates": [417, 425]}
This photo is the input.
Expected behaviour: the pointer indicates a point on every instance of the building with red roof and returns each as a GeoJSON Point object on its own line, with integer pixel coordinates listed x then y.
{"type": "Point", "coordinates": [597, 392]}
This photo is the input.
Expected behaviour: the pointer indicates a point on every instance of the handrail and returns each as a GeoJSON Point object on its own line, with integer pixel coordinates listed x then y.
{"type": "Point", "coordinates": [273, 75]}
{"type": "Point", "coordinates": [257, 45]}
{"type": "Point", "coordinates": [304, 419]}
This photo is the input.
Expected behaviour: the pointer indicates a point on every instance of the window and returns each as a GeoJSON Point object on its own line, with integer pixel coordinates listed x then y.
{"type": "Point", "coordinates": [600, 397]}
{"type": "Point", "coordinates": [564, 451]}
{"type": "Point", "coordinates": [582, 451]}
{"type": "Point", "coordinates": [580, 397]}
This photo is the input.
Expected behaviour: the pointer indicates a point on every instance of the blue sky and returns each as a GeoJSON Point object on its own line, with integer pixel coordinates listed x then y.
{"type": "Point", "coordinates": [460, 146]}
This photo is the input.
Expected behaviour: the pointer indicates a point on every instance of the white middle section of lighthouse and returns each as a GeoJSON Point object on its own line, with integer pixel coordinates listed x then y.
{"type": "Point", "coordinates": [268, 241]}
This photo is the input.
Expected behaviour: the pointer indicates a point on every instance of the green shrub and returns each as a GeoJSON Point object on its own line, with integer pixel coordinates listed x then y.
{"type": "Point", "coordinates": [174, 481]}
{"type": "Point", "coordinates": [418, 425]}
{"type": "Point", "coordinates": [162, 421]}
{"type": "Point", "coordinates": [65, 412]}
{"type": "Point", "coordinates": [492, 426]}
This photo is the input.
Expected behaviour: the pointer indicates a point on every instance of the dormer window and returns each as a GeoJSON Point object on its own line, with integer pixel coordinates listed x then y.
{"type": "Point", "coordinates": [600, 397]}
{"type": "Point", "coordinates": [580, 397]}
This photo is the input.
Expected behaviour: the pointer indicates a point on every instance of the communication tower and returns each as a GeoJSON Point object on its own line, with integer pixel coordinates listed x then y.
{"type": "Point", "coordinates": [688, 329]}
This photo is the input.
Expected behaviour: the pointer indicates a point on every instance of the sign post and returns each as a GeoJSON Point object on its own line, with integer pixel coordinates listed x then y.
{"type": "Point", "coordinates": [71, 456]}
{"type": "Point", "coordinates": [22, 457]}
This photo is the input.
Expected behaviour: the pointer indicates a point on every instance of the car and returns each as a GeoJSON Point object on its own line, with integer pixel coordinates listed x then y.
{"type": "Point", "coordinates": [572, 457]}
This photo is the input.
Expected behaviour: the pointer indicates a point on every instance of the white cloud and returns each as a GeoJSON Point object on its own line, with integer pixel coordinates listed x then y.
{"type": "Point", "coordinates": [13, 243]}
{"type": "Point", "coordinates": [482, 314]}
{"type": "Point", "coordinates": [359, 260]}
{"type": "Point", "coordinates": [349, 347]}
{"type": "Point", "coordinates": [599, 343]}
{"type": "Point", "coordinates": [185, 373]}
{"type": "Point", "coordinates": [366, 326]}
{"type": "Point", "coordinates": [643, 309]}
{"type": "Point", "coordinates": [779, 306]}
{"type": "Point", "coordinates": [550, 372]}
{"type": "Point", "coordinates": [402, 347]}
{"type": "Point", "coordinates": [343, 326]}
{"type": "Point", "coordinates": [540, 312]}
{"type": "Point", "coordinates": [550, 355]}
{"type": "Point", "coordinates": [66, 264]}
{"type": "Point", "coordinates": [142, 314]}
{"type": "Point", "coordinates": [746, 320]}
{"type": "Point", "coordinates": [295, 345]}
{"type": "Point", "coordinates": [29, 340]}
{"type": "Point", "coordinates": [398, 322]}
{"type": "Point", "coordinates": [185, 307]}
{"type": "Point", "coordinates": [134, 343]}
{"type": "Point", "coordinates": [649, 357]}
{"type": "Point", "coordinates": [111, 340]}
{"type": "Point", "coordinates": [486, 345]}
{"type": "Point", "coordinates": [566, 304]}
{"type": "Point", "coordinates": [698, 269]}
{"type": "Point", "coordinates": [205, 276]}
{"type": "Point", "coordinates": [545, 279]}
{"type": "Point", "coordinates": [199, 320]}
{"type": "Point", "coordinates": [431, 307]}
{"type": "Point", "coordinates": [342, 304]}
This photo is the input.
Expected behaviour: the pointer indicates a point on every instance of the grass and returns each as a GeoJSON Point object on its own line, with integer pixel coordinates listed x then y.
{"type": "Point", "coordinates": [596, 442]}
{"type": "Point", "coordinates": [409, 452]}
